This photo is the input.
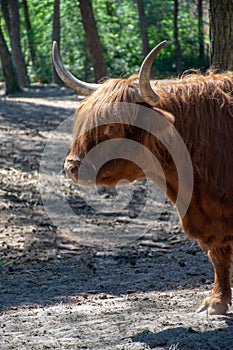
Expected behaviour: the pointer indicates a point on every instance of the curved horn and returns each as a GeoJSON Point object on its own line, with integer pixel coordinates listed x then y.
{"type": "Point", "coordinates": [75, 84]}
{"type": "Point", "coordinates": [148, 94]}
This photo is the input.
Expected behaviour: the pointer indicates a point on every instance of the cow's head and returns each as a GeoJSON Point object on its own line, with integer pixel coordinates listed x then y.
{"type": "Point", "coordinates": [109, 114]}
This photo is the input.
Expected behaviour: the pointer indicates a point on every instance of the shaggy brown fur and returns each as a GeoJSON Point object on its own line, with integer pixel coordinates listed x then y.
{"type": "Point", "coordinates": [201, 108]}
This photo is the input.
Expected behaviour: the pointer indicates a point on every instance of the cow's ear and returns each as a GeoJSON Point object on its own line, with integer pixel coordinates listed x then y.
{"type": "Point", "coordinates": [168, 116]}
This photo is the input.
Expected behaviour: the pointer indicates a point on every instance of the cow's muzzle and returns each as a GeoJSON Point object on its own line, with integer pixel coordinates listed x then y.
{"type": "Point", "coordinates": [71, 167]}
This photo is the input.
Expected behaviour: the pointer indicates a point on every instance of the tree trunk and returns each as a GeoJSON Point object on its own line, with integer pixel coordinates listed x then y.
{"type": "Point", "coordinates": [9, 73]}
{"type": "Point", "coordinates": [56, 36]}
{"type": "Point", "coordinates": [15, 44]}
{"type": "Point", "coordinates": [221, 34]}
{"type": "Point", "coordinates": [201, 33]}
{"type": "Point", "coordinates": [29, 34]}
{"type": "Point", "coordinates": [143, 27]}
{"type": "Point", "coordinates": [6, 14]}
{"type": "Point", "coordinates": [176, 38]}
{"type": "Point", "coordinates": [93, 40]}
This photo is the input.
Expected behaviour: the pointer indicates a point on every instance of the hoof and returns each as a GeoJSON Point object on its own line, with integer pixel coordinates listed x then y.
{"type": "Point", "coordinates": [214, 306]}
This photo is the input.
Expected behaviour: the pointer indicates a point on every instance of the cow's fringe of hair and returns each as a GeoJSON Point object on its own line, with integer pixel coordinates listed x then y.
{"type": "Point", "coordinates": [100, 105]}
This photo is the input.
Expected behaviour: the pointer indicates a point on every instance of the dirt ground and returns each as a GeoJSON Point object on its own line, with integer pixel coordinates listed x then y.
{"type": "Point", "coordinates": [98, 280]}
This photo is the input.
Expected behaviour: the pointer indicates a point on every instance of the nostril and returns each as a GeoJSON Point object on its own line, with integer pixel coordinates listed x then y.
{"type": "Point", "coordinates": [73, 158]}
{"type": "Point", "coordinates": [74, 169]}
{"type": "Point", "coordinates": [72, 166]}
{"type": "Point", "coordinates": [73, 162]}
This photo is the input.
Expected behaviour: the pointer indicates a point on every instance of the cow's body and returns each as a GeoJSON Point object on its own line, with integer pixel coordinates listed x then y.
{"type": "Point", "coordinates": [201, 109]}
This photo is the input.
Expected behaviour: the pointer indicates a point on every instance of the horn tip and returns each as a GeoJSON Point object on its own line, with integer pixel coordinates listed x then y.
{"type": "Point", "coordinates": [55, 46]}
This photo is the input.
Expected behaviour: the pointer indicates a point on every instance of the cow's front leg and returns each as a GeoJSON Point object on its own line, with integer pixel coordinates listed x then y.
{"type": "Point", "coordinates": [220, 297]}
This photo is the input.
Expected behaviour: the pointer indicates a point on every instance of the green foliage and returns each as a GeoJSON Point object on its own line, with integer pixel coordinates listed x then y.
{"type": "Point", "coordinates": [120, 36]}
{"type": "Point", "coordinates": [119, 31]}
{"type": "Point", "coordinates": [41, 15]}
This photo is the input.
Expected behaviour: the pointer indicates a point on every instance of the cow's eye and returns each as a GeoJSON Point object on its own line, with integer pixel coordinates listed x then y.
{"type": "Point", "coordinates": [112, 130]}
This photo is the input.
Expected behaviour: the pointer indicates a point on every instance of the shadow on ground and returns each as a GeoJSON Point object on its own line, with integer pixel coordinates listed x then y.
{"type": "Point", "coordinates": [187, 338]}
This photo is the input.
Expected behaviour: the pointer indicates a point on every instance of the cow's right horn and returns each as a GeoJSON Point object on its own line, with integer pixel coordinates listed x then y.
{"type": "Point", "coordinates": [146, 91]}
{"type": "Point", "coordinates": [75, 84]}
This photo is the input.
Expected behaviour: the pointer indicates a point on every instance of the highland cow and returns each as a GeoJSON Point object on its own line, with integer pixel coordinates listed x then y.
{"type": "Point", "coordinates": [200, 108]}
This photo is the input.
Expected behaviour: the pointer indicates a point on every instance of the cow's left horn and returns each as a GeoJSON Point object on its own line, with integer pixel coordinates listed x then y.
{"type": "Point", "coordinates": [148, 94]}
{"type": "Point", "coordinates": [75, 84]}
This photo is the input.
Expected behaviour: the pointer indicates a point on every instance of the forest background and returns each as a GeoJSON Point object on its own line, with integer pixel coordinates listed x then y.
{"type": "Point", "coordinates": [102, 38]}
